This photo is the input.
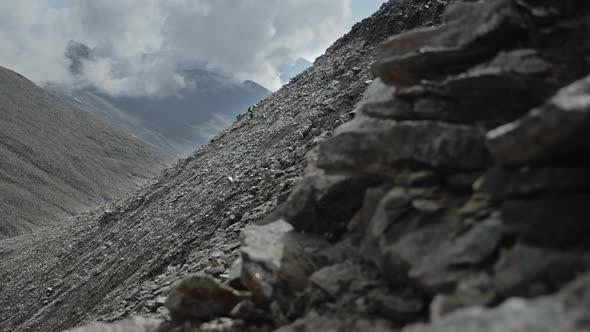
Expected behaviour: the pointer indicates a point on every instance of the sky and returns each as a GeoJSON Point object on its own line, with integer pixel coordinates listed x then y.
{"type": "Point", "coordinates": [138, 45]}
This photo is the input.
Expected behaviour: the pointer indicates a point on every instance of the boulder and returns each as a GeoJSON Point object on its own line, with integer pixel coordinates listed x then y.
{"type": "Point", "coordinates": [382, 147]}
{"type": "Point", "coordinates": [557, 130]}
{"type": "Point", "coordinates": [405, 59]}
{"type": "Point", "coordinates": [322, 203]}
{"type": "Point", "coordinates": [564, 312]}
{"type": "Point", "coordinates": [201, 297]}
{"type": "Point", "coordinates": [276, 262]}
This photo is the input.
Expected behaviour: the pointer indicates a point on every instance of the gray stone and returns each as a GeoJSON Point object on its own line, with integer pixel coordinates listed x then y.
{"type": "Point", "coordinates": [392, 206]}
{"type": "Point", "coordinates": [201, 297]}
{"type": "Point", "coordinates": [323, 203]}
{"type": "Point", "coordinates": [382, 147]}
{"type": "Point", "coordinates": [408, 57]}
{"type": "Point", "coordinates": [335, 278]}
{"type": "Point", "coordinates": [133, 324]}
{"type": "Point", "coordinates": [564, 312]}
{"type": "Point", "coordinates": [557, 130]}
{"type": "Point", "coordinates": [277, 262]}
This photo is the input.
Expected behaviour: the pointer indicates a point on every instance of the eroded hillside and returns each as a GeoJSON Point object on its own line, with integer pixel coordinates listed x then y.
{"type": "Point", "coordinates": [56, 161]}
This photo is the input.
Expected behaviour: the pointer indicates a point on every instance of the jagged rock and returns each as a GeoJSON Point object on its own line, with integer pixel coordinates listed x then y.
{"type": "Point", "coordinates": [557, 130]}
{"type": "Point", "coordinates": [381, 147]}
{"type": "Point", "coordinates": [475, 290]}
{"type": "Point", "coordinates": [408, 57]}
{"type": "Point", "coordinates": [532, 271]}
{"type": "Point", "coordinates": [429, 257]}
{"type": "Point", "coordinates": [442, 267]}
{"type": "Point", "coordinates": [507, 86]}
{"type": "Point", "coordinates": [527, 181]}
{"type": "Point", "coordinates": [333, 279]}
{"type": "Point", "coordinates": [393, 205]}
{"type": "Point", "coordinates": [550, 220]}
{"type": "Point", "coordinates": [399, 305]}
{"type": "Point", "coordinates": [313, 323]}
{"type": "Point", "coordinates": [323, 203]}
{"type": "Point", "coordinates": [277, 262]}
{"type": "Point", "coordinates": [133, 324]}
{"type": "Point", "coordinates": [201, 297]}
{"type": "Point", "coordinates": [381, 101]}
{"type": "Point", "coordinates": [564, 312]}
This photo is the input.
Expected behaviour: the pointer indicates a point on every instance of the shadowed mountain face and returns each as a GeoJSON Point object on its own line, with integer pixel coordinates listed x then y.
{"type": "Point", "coordinates": [197, 113]}
{"type": "Point", "coordinates": [176, 124]}
{"type": "Point", "coordinates": [57, 161]}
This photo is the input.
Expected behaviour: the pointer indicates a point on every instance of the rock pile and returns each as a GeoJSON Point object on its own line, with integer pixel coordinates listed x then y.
{"type": "Point", "coordinates": [462, 181]}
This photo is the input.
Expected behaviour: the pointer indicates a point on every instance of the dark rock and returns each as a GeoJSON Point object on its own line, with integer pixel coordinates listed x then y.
{"type": "Point", "coordinates": [532, 271]}
{"type": "Point", "coordinates": [335, 278]}
{"type": "Point", "coordinates": [323, 203]}
{"type": "Point", "coordinates": [508, 86]}
{"type": "Point", "coordinates": [557, 130]}
{"type": "Point", "coordinates": [408, 57]}
{"type": "Point", "coordinates": [560, 220]}
{"type": "Point", "coordinates": [564, 312]}
{"type": "Point", "coordinates": [277, 262]}
{"type": "Point", "coordinates": [391, 207]}
{"type": "Point", "coordinates": [399, 305]}
{"type": "Point", "coordinates": [201, 297]}
{"type": "Point", "coordinates": [442, 267]}
{"type": "Point", "coordinates": [528, 181]}
{"type": "Point", "coordinates": [381, 147]}
{"type": "Point", "coordinates": [475, 290]}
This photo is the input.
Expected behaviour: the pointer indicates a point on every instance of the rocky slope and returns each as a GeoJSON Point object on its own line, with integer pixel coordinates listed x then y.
{"type": "Point", "coordinates": [56, 161]}
{"type": "Point", "coordinates": [460, 182]}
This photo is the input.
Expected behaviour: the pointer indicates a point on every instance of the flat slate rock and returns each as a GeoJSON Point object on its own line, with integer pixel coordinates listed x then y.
{"type": "Point", "coordinates": [558, 130]}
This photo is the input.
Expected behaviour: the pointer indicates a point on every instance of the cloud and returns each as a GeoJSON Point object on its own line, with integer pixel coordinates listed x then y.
{"type": "Point", "coordinates": [139, 44]}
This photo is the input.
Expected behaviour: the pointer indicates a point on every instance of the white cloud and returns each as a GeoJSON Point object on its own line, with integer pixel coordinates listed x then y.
{"type": "Point", "coordinates": [244, 38]}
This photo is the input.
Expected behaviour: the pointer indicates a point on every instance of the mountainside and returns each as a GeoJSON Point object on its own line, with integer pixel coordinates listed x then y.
{"type": "Point", "coordinates": [56, 161]}
{"type": "Point", "coordinates": [176, 123]}
{"type": "Point", "coordinates": [457, 179]}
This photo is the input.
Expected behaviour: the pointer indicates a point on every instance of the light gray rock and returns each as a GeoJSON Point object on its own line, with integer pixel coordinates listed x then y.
{"type": "Point", "coordinates": [276, 262]}
{"type": "Point", "coordinates": [133, 324]}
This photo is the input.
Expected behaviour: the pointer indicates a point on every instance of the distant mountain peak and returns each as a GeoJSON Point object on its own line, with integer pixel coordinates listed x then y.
{"type": "Point", "coordinates": [288, 72]}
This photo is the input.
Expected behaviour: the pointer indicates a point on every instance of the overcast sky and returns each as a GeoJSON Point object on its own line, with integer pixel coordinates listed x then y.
{"type": "Point", "coordinates": [140, 43]}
